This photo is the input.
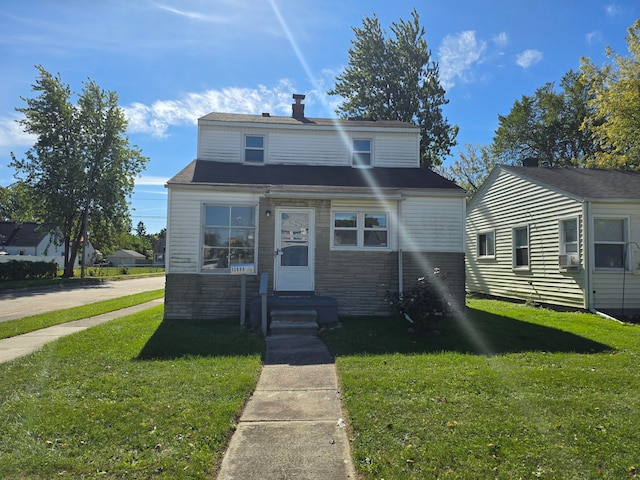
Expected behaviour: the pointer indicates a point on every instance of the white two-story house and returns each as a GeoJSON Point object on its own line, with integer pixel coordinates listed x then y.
{"type": "Point", "coordinates": [327, 207]}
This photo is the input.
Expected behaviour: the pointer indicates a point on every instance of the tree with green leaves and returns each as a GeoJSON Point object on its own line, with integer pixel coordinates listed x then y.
{"type": "Point", "coordinates": [615, 97]}
{"type": "Point", "coordinates": [81, 170]}
{"type": "Point", "coordinates": [470, 169]}
{"type": "Point", "coordinates": [394, 78]}
{"type": "Point", "coordinates": [548, 126]}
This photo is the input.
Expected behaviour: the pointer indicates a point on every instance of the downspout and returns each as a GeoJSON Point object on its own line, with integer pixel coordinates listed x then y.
{"type": "Point", "coordinates": [399, 233]}
{"type": "Point", "coordinates": [586, 221]}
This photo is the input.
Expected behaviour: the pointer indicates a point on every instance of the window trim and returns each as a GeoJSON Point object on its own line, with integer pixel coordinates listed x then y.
{"type": "Point", "coordinates": [360, 229]}
{"type": "Point", "coordinates": [254, 149]}
{"type": "Point", "coordinates": [625, 261]}
{"type": "Point", "coordinates": [486, 255]}
{"type": "Point", "coordinates": [514, 248]}
{"type": "Point", "coordinates": [562, 242]}
{"type": "Point", "coordinates": [354, 152]}
{"type": "Point", "coordinates": [203, 226]}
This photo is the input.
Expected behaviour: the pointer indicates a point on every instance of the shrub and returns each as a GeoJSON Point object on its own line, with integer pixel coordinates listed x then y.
{"type": "Point", "coordinates": [423, 304]}
{"type": "Point", "coordinates": [15, 270]}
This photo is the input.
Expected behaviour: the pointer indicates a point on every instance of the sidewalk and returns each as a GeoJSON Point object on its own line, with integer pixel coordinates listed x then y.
{"type": "Point", "coordinates": [292, 426]}
{"type": "Point", "coordinates": [21, 345]}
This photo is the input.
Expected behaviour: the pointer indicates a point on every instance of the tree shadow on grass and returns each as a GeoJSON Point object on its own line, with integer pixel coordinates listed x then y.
{"type": "Point", "coordinates": [478, 333]}
{"type": "Point", "coordinates": [201, 338]}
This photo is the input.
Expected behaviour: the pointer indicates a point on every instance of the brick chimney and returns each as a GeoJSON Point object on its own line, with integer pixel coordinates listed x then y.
{"type": "Point", "coordinates": [298, 107]}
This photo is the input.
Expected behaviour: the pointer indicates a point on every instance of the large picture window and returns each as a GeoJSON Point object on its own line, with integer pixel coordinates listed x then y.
{"type": "Point", "coordinates": [487, 244]}
{"type": "Point", "coordinates": [610, 236]}
{"type": "Point", "coordinates": [229, 237]}
{"type": "Point", "coordinates": [357, 229]}
{"type": "Point", "coordinates": [521, 247]}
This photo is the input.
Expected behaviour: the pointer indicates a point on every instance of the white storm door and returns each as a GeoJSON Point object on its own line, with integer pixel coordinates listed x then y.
{"type": "Point", "coordinates": [294, 254]}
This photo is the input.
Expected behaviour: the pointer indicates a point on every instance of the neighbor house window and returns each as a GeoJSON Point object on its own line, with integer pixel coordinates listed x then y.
{"type": "Point", "coordinates": [229, 237]}
{"type": "Point", "coordinates": [359, 229]}
{"type": "Point", "coordinates": [521, 247]}
{"type": "Point", "coordinates": [569, 243]}
{"type": "Point", "coordinates": [361, 155]}
{"type": "Point", "coordinates": [609, 239]}
{"type": "Point", "coordinates": [254, 149]}
{"type": "Point", "coordinates": [487, 244]}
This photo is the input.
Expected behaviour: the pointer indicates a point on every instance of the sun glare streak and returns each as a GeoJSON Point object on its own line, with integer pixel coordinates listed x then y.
{"type": "Point", "coordinates": [407, 239]}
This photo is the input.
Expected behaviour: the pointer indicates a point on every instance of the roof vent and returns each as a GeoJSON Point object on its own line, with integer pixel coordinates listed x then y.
{"type": "Point", "coordinates": [298, 107]}
{"type": "Point", "coordinates": [266, 114]}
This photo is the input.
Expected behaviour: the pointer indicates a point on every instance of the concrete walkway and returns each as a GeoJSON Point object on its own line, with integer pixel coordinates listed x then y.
{"type": "Point", "coordinates": [21, 345]}
{"type": "Point", "coordinates": [292, 427]}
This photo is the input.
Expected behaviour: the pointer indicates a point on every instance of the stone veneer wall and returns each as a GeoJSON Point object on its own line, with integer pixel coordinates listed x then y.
{"type": "Point", "coordinates": [358, 280]}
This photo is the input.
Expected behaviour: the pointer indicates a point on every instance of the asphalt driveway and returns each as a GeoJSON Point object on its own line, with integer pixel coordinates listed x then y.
{"type": "Point", "coordinates": [20, 303]}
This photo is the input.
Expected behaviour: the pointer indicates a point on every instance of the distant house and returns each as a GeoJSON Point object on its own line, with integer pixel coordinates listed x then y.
{"type": "Point", "coordinates": [27, 240]}
{"type": "Point", "coordinates": [159, 252]}
{"type": "Point", "coordinates": [567, 237]}
{"type": "Point", "coordinates": [127, 258]}
{"type": "Point", "coordinates": [329, 208]}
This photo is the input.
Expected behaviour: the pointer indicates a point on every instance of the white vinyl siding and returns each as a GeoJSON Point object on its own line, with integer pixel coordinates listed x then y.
{"type": "Point", "coordinates": [308, 147]}
{"type": "Point", "coordinates": [219, 144]}
{"type": "Point", "coordinates": [184, 224]}
{"type": "Point", "coordinates": [506, 202]}
{"type": "Point", "coordinates": [433, 224]}
{"type": "Point", "coordinates": [607, 283]}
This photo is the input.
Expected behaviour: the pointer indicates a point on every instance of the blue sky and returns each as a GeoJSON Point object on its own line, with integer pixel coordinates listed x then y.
{"type": "Point", "coordinates": [173, 61]}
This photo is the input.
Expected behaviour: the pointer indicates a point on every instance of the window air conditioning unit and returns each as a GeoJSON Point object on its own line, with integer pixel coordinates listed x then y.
{"type": "Point", "coordinates": [568, 262]}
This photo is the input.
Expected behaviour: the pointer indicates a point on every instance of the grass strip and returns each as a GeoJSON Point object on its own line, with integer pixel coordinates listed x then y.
{"type": "Point", "coordinates": [137, 397]}
{"type": "Point", "coordinates": [19, 326]}
{"type": "Point", "coordinates": [504, 391]}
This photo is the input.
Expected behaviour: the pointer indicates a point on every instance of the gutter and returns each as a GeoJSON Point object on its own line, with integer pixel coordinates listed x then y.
{"type": "Point", "coordinates": [398, 229]}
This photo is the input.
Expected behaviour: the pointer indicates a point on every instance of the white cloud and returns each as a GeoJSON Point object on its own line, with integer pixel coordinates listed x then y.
{"type": "Point", "coordinates": [593, 37]}
{"type": "Point", "coordinates": [528, 57]}
{"type": "Point", "coordinates": [150, 180]}
{"type": "Point", "coordinates": [193, 15]}
{"type": "Point", "coordinates": [458, 53]}
{"type": "Point", "coordinates": [155, 119]}
{"type": "Point", "coordinates": [612, 9]}
{"type": "Point", "coordinates": [13, 135]}
{"type": "Point", "coordinates": [501, 40]}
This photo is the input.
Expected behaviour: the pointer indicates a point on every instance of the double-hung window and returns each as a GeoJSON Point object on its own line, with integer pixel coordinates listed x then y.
{"type": "Point", "coordinates": [609, 237]}
{"type": "Point", "coordinates": [229, 236]}
{"type": "Point", "coordinates": [521, 247]}
{"type": "Point", "coordinates": [254, 148]}
{"type": "Point", "coordinates": [487, 245]}
{"type": "Point", "coordinates": [360, 229]}
{"type": "Point", "coordinates": [569, 256]}
{"type": "Point", "coordinates": [361, 153]}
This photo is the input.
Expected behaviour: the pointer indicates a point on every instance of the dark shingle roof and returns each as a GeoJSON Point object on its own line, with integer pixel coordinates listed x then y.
{"type": "Point", "coordinates": [19, 235]}
{"type": "Point", "coordinates": [587, 183]}
{"type": "Point", "coordinates": [221, 173]}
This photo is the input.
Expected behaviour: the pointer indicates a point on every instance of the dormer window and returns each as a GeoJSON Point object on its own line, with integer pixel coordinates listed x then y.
{"type": "Point", "coordinates": [361, 154]}
{"type": "Point", "coordinates": [254, 149]}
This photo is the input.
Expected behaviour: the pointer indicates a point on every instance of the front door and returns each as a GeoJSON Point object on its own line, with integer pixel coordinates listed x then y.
{"type": "Point", "coordinates": [294, 258]}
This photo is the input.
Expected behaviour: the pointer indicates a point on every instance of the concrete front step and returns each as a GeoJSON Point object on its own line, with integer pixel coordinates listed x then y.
{"type": "Point", "coordinates": [294, 322]}
{"type": "Point", "coordinates": [283, 327]}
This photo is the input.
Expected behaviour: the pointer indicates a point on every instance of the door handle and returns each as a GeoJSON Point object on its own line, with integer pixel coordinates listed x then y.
{"type": "Point", "coordinates": [277, 252]}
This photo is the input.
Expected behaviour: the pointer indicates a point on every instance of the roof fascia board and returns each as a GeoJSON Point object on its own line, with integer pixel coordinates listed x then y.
{"type": "Point", "coordinates": [336, 126]}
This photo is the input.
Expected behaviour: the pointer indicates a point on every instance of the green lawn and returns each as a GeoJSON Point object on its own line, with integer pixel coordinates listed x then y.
{"type": "Point", "coordinates": [505, 391]}
{"type": "Point", "coordinates": [134, 398]}
{"type": "Point", "coordinates": [19, 326]}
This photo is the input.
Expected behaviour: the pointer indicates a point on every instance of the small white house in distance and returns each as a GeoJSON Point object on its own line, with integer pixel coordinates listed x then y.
{"type": "Point", "coordinates": [26, 242]}
{"type": "Point", "coordinates": [558, 236]}
{"type": "Point", "coordinates": [337, 209]}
